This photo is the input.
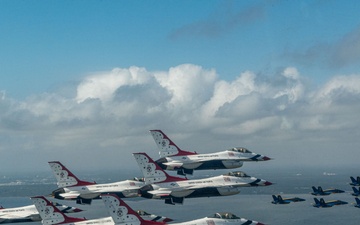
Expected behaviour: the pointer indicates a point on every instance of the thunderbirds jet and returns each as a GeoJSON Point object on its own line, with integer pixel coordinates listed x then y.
{"type": "Point", "coordinates": [52, 215]}
{"type": "Point", "coordinates": [160, 185]}
{"type": "Point", "coordinates": [122, 214]}
{"type": "Point", "coordinates": [72, 188]}
{"type": "Point", "coordinates": [355, 182]}
{"type": "Point", "coordinates": [29, 213]}
{"type": "Point", "coordinates": [320, 191]}
{"type": "Point", "coordinates": [323, 204]}
{"type": "Point", "coordinates": [185, 162]}
{"type": "Point", "coordinates": [356, 191]}
{"type": "Point", "coordinates": [280, 200]}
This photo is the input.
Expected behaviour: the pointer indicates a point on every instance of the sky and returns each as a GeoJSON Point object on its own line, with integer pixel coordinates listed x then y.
{"type": "Point", "coordinates": [83, 82]}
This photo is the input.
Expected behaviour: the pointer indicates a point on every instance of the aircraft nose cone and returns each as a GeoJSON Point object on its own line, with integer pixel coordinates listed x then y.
{"type": "Point", "coordinates": [267, 183]}
{"type": "Point", "coordinates": [266, 158]}
{"type": "Point", "coordinates": [166, 220]}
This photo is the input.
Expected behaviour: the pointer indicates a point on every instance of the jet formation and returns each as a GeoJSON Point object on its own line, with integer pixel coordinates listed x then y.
{"type": "Point", "coordinates": [158, 184]}
{"type": "Point", "coordinates": [122, 214]}
{"type": "Point", "coordinates": [161, 185]}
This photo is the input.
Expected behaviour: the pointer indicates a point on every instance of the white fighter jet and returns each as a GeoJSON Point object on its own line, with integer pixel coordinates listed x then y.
{"type": "Point", "coordinates": [185, 162]}
{"type": "Point", "coordinates": [29, 213]}
{"type": "Point", "coordinates": [52, 215]}
{"type": "Point", "coordinates": [72, 188]}
{"type": "Point", "coordinates": [160, 185]}
{"type": "Point", "coordinates": [123, 214]}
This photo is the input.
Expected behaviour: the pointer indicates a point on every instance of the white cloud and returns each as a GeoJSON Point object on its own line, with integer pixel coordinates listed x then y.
{"type": "Point", "coordinates": [113, 111]}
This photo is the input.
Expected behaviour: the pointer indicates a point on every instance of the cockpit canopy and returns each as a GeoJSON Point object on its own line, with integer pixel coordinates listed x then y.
{"type": "Point", "coordinates": [224, 216]}
{"type": "Point", "coordinates": [240, 149]}
{"type": "Point", "coordinates": [237, 174]}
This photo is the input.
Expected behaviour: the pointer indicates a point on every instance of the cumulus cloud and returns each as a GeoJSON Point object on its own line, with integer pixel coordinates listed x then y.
{"type": "Point", "coordinates": [113, 111]}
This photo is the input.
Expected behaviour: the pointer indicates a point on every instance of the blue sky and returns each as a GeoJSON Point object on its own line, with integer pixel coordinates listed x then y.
{"type": "Point", "coordinates": [48, 43]}
{"type": "Point", "coordinates": [273, 76]}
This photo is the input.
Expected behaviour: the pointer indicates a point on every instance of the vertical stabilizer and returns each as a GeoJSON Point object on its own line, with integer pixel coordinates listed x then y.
{"type": "Point", "coordinates": [122, 214]}
{"type": "Point", "coordinates": [357, 201]}
{"type": "Point", "coordinates": [166, 146]}
{"type": "Point", "coordinates": [152, 172]}
{"type": "Point", "coordinates": [64, 177]}
{"type": "Point", "coordinates": [50, 214]}
{"type": "Point", "coordinates": [275, 199]}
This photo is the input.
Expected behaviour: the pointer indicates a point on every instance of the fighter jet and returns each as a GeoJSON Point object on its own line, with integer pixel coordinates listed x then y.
{"type": "Point", "coordinates": [72, 188]}
{"type": "Point", "coordinates": [29, 213]}
{"type": "Point", "coordinates": [52, 215]}
{"type": "Point", "coordinates": [355, 182]}
{"type": "Point", "coordinates": [280, 200]}
{"type": "Point", "coordinates": [124, 214]}
{"type": "Point", "coordinates": [185, 162]}
{"type": "Point", "coordinates": [161, 185]}
{"type": "Point", "coordinates": [323, 204]}
{"type": "Point", "coordinates": [320, 191]}
{"type": "Point", "coordinates": [356, 191]}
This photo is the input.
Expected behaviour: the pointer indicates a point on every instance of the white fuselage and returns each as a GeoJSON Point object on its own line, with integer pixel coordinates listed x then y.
{"type": "Point", "coordinates": [217, 221]}
{"type": "Point", "coordinates": [215, 186]}
{"type": "Point", "coordinates": [218, 160]}
{"type": "Point", "coordinates": [128, 188]}
{"type": "Point", "coordinates": [19, 214]}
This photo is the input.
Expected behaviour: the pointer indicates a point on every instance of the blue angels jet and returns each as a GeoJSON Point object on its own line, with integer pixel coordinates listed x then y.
{"type": "Point", "coordinates": [320, 191]}
{"type": "Point", "coordinates": [322, 204]}
{"type": "Point", "coordinates": [355, 182]}
{"type": "Point", "coordinates": [279, 200]}
{"type": "Point", "coordinates": [185, 162]}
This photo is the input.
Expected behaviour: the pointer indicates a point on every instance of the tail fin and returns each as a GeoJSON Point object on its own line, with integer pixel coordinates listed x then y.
{"type": "Point", "coordinates": [152, 172]}
{"type": "Point", "coordinates": [64, 177]}
{"type": "Point", "coordinates": [317, 202]}
{"type": "Point", "coordinates": [353, 180]}
{"type": "Point", "coordinates": [358, 180]}
{"type": "Point", "coordinates": [166, 146]}
{"type": "Point", "coordinates": [320, 189]}
{"type": "Point", "coordinates": [280, 198]}
{"type": "Point", "coordinates": [314, 190]}
{"type": "Point", "coordinates": [357, 201]}
{"type": "Point", "coordinates": [121, 213]}
{"type": "Point", "coordinates": [50, 214]}
{"type": "Point", "coordinates": [322, 201]}
{"type": "Point", "coordinates": [275, 199]}
{"type": "Point", "coordinates": [356, 191]}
